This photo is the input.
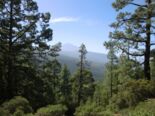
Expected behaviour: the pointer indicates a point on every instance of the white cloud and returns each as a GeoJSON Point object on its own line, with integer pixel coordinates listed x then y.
{"type": "Point", "coordinates": [64, 20]}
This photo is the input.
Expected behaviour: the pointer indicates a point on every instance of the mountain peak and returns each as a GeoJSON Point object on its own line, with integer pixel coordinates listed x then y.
{"type": "Point", "coordinates": [69, 47]}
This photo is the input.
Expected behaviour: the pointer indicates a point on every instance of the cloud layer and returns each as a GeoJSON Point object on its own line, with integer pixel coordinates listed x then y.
{"type": "Point", "coordinates": [64, 19]}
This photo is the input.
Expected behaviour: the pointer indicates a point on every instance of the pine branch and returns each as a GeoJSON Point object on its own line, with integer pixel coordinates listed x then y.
{"type": "Point", "coordinates": [3, 2]}
{"type": "Point", "coordinates": [129, 53]}
{"type": "Point", "coordinates": [133, 19]}
{"type": "Point", "coordinates": [135, 4]}
{"type": "Point", "coordinates": [152, 44]}
{"type": "Point", "coordinates": [18, 36]}
{"type": "Point", "coordinates": [134, 40]}
{"type": "Point", "coordinates": [153, 27]}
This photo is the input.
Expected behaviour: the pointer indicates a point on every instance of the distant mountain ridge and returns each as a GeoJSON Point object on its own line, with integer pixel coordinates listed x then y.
{"type": "Point", "coordinates": [69, 47]}
{"type": "Point", "coordinates": [70, 56]}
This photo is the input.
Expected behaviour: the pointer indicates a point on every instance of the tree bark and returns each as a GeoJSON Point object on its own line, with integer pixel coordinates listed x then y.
{"type": "Point", "coordinates": [147, 45]}
{"type": "Point", "coordinates": [9, 72]}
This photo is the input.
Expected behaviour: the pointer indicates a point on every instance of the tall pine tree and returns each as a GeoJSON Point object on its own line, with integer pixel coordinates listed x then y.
{"type": "Point", "coordinates": [82, 81]}
{"type": "Point", "coordinates": [81, 64]}
{"type": "Point", "coordinates": [134, 30]}
{"type": "Point", "coordinates": [23, 32]}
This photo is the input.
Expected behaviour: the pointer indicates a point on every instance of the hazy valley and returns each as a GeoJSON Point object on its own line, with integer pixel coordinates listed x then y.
{"type": "Point", "coordinates": [96, 61]}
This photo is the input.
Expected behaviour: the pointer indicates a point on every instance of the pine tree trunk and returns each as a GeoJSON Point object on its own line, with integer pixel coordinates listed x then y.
{"type": "Point", "coordinates": [9, 73]}
{"type": "Point", "coordinates": [147, 46]}
{"type": "Point", "coordinates": [80, 81]}
{"type": "Point", "coordinates": [111, 77]}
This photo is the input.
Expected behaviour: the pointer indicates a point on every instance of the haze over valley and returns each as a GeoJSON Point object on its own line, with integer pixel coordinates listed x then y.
{"type": "Point", "coordinates": [96, 61]}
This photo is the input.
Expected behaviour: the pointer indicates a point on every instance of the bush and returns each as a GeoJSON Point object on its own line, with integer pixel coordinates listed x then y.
{"type": "Point", "coordinates": [52, 110]}
{"type": "Point", "coordinates": [18, 113]}
{"type": "Point", "coordinates": [90, 109]}
{"type": "Point", "coordinates": [133, 92]}
{"type": "Point", "coordinates": [128, 101]}
{"type": "Point", "coordinates": [146, 108]}
{"type": "Point", "coordinates": [4, 112]}
{"type": "Point", "coordinates": [18, 104]}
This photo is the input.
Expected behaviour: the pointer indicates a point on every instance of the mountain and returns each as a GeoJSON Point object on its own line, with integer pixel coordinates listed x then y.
{"type": "Point", "coordinates": [70, 56]}
{"type": "Point", "coordinates": [69, 47]}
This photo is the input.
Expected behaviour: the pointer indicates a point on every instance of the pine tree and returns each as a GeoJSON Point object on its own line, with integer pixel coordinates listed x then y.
{"type": "Point", "coordinates": [111, 65]}
{"type": "Point", "coordinates": [51, 72]}
{"type": "Point", "coordinates": [23, 32]}
{"type": "Point", "coordinates": [65, 87]}
{"type": "Point", "coordinates": [86, 89]}
{"type": "Point", "coordinates": [134, 30]}
{"type": "Point", "coordinates": [81, 65]}
{"type": "Point", "coordinates": [82, 81]}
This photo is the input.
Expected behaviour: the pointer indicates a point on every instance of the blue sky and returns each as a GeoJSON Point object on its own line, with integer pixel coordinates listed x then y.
{"type": "Point", "coordinates": [80, 21]}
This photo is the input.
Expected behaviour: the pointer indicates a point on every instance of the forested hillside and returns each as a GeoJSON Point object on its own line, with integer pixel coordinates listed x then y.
{"type": "Point", "coordinates": [38, 78]}
{"type": "Point", "coordinates": [96, 61]}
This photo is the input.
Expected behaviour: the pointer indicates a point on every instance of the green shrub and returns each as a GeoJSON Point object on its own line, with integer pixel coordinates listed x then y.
{"type": "Point", "coordinates": [89, 109]}
{"type": "Point", "coordinates": [4, 112]}
{"type": "Point", "coordinates": [18, 103]}
{"type": "Point", "coordinates": [133, 92]}
{"type": "Point", "coordinates": [128, 101]}
{"type": "Point", "coordinates": [52, 110]}
{"type": "Point", "coordinates": [18, 112]}
{"type": "Point", "coordinates": [30, 114]}
{"type": "Point", "coordinates": [146, 108]}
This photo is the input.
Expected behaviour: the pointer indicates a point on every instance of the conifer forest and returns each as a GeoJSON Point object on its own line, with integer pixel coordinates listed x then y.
{"type": "Point", "coordinates": [38, 79]}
